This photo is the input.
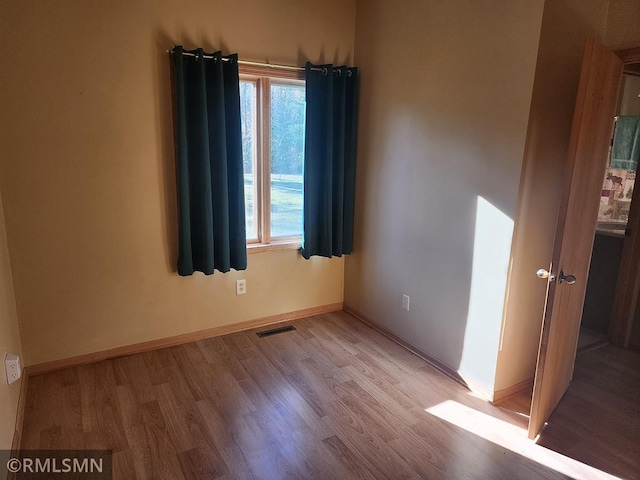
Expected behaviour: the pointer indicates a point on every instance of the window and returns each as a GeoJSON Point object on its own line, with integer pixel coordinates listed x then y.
{"type": "Point", "coordinates": [272, 107]}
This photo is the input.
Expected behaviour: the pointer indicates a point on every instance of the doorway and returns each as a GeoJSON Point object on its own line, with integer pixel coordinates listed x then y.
{"type": "Point", "coordinates": [590, 142]}
{"type": "Point", "coordinates": [597, 419]}
{"type": "Point", "coordinates": [614, 224]}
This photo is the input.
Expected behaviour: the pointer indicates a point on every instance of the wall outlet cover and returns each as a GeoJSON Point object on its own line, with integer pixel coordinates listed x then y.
{"type": "Point", "coordinates": [241, 287]}
{"type": "Point", "coordinates": [12, 367]}
{"type": "Point", "coordinates": [405, 302]}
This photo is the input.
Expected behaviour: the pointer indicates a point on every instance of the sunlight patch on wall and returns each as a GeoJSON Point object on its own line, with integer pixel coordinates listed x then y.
{"type": "Point", "coordinates": [491, 251]}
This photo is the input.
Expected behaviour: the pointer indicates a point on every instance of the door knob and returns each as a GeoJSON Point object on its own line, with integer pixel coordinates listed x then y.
{"type": "Point", "coordinates": [570, 279]}
{"type": "Point", "coordinates": [542, 273]}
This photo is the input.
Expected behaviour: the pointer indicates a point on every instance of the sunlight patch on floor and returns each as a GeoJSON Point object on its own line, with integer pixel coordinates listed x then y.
{"type": "Point", "coordinates": [513, 438]}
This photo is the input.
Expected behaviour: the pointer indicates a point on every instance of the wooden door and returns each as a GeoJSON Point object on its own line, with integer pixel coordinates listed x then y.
{"type": "Point", "coordinates": [586, 163]}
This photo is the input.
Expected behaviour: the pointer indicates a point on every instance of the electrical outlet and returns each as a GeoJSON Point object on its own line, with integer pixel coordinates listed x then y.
{"type": "Point", "coordinates": [405, 302]}
{"type": "Point", "coordinates": [12, 366]}
{"type": "Point", "coordinates": [241, 287]}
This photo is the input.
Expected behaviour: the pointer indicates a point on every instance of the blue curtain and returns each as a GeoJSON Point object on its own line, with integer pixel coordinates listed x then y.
{"type": "Point", "coordinates": [329, 160]}
{"type": "Point", "coordinates": [626, 143]}
{"type": "Point", "coordinates": [211, 215]}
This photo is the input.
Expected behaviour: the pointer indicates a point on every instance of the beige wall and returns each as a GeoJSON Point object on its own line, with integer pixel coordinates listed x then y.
{"type": "Point", "coordinates": [9, 342]}
{"type": "Point", "coordinates": [445, 93]}
{"type": "Point", "coordinates": [566, 25]}
{"type": "Point", "coordinates": [87, 167]}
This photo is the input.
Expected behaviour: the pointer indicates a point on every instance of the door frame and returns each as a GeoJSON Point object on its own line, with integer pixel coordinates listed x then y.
{"type": "Point", "coordinates": [625, 302]}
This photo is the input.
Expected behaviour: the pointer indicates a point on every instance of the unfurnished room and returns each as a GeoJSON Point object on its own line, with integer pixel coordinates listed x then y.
{"type": "Point", "coordinates": [303, 239]}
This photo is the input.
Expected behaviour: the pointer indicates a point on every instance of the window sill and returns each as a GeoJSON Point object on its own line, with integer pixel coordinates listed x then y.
{"type": "Point", "coordinates": [273, 246]}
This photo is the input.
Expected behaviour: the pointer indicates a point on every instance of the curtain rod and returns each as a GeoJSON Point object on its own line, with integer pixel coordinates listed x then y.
{"type": "Point", "coordinates": [256, 64]}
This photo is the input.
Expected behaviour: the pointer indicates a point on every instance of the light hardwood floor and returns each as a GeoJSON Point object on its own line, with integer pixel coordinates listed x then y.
{"type": "Point", "coordinates": [333, 399]}
{"type": "Point", "coordinates": [598, 420]}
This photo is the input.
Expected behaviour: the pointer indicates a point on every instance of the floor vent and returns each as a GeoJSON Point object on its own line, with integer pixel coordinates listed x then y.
{"type": "Point", "coordinates": [276, 331]}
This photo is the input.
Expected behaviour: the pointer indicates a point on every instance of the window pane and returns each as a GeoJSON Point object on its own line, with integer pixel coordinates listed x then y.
{"type": "Point", "coordinates": [248, 114]}
{"type": "Point", "coordinates": [287, 154]}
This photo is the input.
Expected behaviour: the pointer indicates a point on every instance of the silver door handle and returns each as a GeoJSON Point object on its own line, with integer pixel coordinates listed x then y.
{"type": "Point", "coordinates": [570, 279]}
{"type": "Point", "coordinates": [542, 273]}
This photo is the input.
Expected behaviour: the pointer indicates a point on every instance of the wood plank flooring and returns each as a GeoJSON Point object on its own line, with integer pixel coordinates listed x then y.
{"type": "Point", "coordinates": [333, 399]}
{"type": "Point", "coordinates": [598, 420]}
{"type": "Point", "coordinates": [588, 339]}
